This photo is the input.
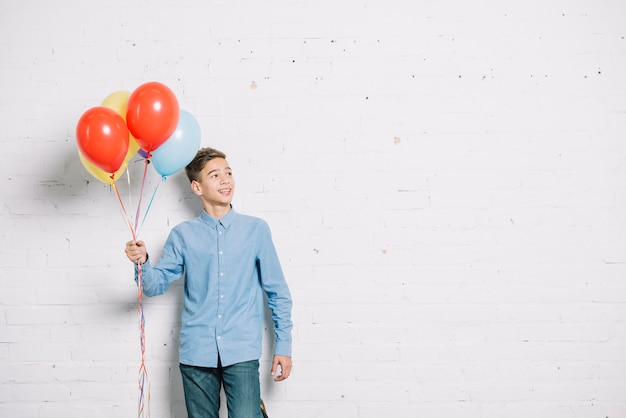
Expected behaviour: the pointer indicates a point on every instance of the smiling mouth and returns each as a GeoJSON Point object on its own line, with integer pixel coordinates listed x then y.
{"type": "Point", "coordinates": [224, 191]}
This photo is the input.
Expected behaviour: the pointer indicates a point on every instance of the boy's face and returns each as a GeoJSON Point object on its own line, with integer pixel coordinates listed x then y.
{"type": "Point", "coordinates": [217, 185]}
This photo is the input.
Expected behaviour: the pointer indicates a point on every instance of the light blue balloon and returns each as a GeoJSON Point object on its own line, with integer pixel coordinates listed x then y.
{"type": "Point", "coordinates": [180, 148]}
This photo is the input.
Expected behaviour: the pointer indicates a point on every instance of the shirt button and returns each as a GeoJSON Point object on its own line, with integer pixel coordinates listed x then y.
{"type": "Point", "coordinates": [219, 338]}
{"type": "Point", "coordinates": [221, 252]}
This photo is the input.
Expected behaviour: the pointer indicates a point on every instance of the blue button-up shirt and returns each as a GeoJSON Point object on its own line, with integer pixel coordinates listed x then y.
{"type": "Point", "coordinates": [228, 264]}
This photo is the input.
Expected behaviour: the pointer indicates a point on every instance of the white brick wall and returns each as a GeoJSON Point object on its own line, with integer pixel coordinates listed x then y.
{"type": "Point", "coordinates": [445, 181]}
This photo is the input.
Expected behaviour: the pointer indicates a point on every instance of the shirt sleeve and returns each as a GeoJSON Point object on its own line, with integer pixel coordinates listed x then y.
{"type": "Point", "coordinates": [275, 287]}
{"type": "Point", "coordinates": [157, 278]}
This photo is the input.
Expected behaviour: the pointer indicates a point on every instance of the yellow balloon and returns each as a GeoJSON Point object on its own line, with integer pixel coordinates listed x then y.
{"type": "Point", "coordinates": [133, 148]}
{"type": "Point", "coordinates": [118, 101]}
{"type": "Point", "coordinates": [100, 174]}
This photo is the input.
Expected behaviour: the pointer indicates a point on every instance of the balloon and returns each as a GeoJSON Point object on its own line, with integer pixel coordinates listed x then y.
{"type": "Point", "coordinates": [118, 101]}
{"type": "Point", "coordinates": [152, 114]}
{"type": "Point", "coordinates": [99, 174]}
{"type": "Point", "coordinates": [133, 148]}
{"type": "Point", "coordinates": [102, 138]}
{"type": "Point", "coordinates": [180, 148]}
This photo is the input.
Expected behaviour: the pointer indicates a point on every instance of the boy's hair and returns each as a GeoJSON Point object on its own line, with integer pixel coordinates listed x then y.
{"type": "Point", "coordinates": [203, 156]}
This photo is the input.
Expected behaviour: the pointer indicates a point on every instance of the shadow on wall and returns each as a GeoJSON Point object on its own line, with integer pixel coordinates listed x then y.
{"type": "Point", "coordinates": [68, 188]}
{"type": "Point", "coordinates": [75, 199]}
{"type": "Point", "coordinates": [175, 395]}
{"type": "Point", "coordinates": [269, 337]}
{"type": "Point", "coordinates": [191, 204]}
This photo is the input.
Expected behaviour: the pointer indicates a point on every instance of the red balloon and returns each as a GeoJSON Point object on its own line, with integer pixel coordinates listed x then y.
{"type": "Point", "coordinates": [102, 137]}
{"type": "Point", "coordinates": [152, 115]}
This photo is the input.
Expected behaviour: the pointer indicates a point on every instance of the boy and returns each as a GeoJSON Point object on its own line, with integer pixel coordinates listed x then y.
{"type": "Point", "coordinates": [229, 261]}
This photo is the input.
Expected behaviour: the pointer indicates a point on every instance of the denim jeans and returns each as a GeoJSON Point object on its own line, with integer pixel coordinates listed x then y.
{"type": "Point", "coordinates": [241, 385]}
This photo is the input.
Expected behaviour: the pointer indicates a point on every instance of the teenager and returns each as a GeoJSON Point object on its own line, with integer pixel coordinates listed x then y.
{"type": "Point", "coordinates": [229, 263]}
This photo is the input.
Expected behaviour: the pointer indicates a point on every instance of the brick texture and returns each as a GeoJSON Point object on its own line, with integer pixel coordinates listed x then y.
{"type": "Point", "coordinates": [445, 183]}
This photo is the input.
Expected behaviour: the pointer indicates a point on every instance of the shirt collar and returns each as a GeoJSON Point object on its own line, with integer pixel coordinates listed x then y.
{"type": "Point", "coordinates": [226, 220]}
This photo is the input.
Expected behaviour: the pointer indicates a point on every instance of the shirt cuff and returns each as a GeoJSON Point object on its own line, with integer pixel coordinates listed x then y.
{"type": "Point", "coordinates": [282, 349]}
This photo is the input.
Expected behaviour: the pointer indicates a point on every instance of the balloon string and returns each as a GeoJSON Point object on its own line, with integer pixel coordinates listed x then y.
{"type": "Point", "coordinates": [143, 412]}
{"type": "Point", "coordinates": [130, 199]}
{"type": "Point", "coordinates": [144, 393]}
{"type": "Point", "coordinates": [123, 210]}
{"type": "Point", "coordinates": [143, 380]}
{"type": "Point", "coordinates": [151, 200]}
{"type": "Point", "coordinates": [143, 182]}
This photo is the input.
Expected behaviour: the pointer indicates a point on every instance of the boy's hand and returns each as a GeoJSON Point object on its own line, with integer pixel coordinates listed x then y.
{"type": "Point", "coordinates": [136, 252]}
{"type": "Point", "coordinates": [285, 367]}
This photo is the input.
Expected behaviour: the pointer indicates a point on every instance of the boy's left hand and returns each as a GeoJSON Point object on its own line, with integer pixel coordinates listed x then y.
{"type": "Point", "coordinates": [285, 367]}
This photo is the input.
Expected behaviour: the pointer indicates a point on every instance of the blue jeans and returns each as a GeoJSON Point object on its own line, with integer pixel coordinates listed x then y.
{"type": "Point", "coordinates": [241, 385]}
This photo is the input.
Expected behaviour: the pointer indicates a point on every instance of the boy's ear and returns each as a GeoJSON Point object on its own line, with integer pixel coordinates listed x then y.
{"type": "Point", "coordinates": [195, 187]}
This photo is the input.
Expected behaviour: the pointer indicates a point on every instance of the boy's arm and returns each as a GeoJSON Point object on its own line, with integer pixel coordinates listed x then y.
{"type": "Point", "coordinates": [155, 279]}
{"type": "Point", "coordinates": [278, 295]}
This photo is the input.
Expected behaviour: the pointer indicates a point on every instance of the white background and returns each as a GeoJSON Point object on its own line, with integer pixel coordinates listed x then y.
{"type": "Point", "coordinates": [445, 182]}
